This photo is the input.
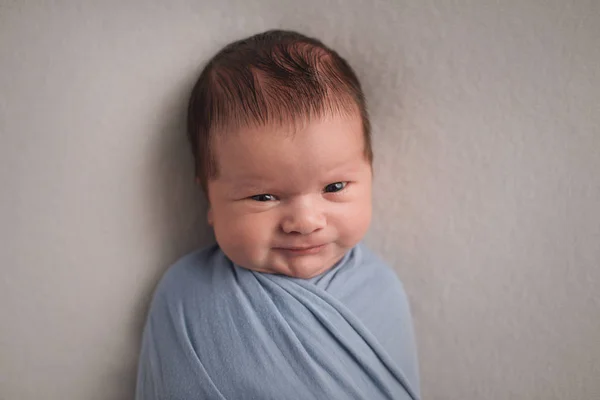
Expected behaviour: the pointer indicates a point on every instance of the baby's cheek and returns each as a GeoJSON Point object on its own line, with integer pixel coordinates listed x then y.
{"type": "Point", "coordinates": [354, 227]}
{"type": "Point", "coordinates": [236, 241]}
{"type": "Point", "coordinates": [245, 233]}
{"type": "Point", "coordinates": [254, 232]}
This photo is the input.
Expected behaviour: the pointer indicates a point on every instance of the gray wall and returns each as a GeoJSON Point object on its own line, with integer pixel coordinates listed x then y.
{"type": "Point", "coordinates": [487, 198]}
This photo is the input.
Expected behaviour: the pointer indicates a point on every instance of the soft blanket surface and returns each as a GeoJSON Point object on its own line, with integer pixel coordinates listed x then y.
{"type": "Point", "coordinates": [219, 331]}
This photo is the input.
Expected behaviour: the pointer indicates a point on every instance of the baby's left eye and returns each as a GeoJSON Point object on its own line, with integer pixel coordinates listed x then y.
{"type": "Point", "coordinates": [335, 187]}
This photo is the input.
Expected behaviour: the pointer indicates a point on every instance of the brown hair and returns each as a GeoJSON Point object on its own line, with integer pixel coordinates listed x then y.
{"type": "Point", "coordinates": [275, 77]}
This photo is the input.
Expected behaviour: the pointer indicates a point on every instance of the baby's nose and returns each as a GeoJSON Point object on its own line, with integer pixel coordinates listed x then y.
{"type": "Point", "coordinates": [303, 220]}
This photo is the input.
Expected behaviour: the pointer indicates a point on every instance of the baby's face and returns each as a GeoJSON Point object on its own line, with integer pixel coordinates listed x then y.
{"type": "Point", "coordinates": [291, 204]}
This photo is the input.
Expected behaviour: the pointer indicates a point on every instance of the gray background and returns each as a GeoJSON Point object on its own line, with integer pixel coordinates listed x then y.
{"type": "Point", "coordinates": [486, 122]}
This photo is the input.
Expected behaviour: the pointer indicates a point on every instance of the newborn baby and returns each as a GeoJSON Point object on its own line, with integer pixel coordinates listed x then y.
{"type": "Point", "coordinates": [288, 304]}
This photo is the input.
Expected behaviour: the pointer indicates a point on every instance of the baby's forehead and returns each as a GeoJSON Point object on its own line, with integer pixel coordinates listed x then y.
{"type": "Point", "coordinates": [315, 147]}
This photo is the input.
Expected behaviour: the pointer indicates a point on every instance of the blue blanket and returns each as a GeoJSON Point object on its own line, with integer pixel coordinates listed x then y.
{"type": "Point", "coordinates": [219, 331]}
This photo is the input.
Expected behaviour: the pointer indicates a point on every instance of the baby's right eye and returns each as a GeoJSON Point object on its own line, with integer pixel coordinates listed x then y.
{"type": "Point", "coordinates": [263, 197]}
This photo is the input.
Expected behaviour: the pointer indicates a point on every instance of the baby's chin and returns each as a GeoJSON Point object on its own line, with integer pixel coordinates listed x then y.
{"type": "Point", "coordinates": [302, 272]}
{"type": "Point", "coordinates": [302, 266]}
{"type": "Point", "coordinates": [305, 266]}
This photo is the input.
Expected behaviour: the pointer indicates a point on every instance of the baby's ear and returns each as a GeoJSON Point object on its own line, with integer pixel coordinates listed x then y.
{"type": "Point", "coordinates": [209, 216]}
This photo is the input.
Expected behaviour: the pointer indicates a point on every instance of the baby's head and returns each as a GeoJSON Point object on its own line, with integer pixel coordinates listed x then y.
{"type": "Point", "coordinates": [281, 139]}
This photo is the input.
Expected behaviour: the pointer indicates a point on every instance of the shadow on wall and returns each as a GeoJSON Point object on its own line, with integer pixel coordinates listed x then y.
{"type": "Point", "coordinates": [174, 202]}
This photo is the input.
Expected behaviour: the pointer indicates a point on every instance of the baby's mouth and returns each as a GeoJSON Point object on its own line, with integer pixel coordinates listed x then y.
{"type": "Point", "coordinates": [301, 250]}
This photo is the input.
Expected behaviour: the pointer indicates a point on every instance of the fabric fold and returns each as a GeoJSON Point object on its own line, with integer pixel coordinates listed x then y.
{"type": "Point", "coordinates": [233, 333]}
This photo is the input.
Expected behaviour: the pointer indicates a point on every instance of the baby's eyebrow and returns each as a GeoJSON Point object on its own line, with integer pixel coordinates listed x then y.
{"type": "Point", "coordinates": [248, 183]}
{"type": "Point", "coordinates": [248, 180]}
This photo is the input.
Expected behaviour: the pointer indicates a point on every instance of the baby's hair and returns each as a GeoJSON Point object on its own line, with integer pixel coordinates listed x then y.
{"type": "Point", "coordinates": [280, 78]}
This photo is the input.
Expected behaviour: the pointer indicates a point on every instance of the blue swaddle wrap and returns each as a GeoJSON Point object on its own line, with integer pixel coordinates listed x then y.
{"type": "Point", "coordinates": [219, 331]}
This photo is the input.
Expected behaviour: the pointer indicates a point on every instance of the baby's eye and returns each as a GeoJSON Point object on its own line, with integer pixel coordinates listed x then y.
{"type": "Point", "coordinates": [263, 197]}
{"type": "Point", "coordinates": [335, 187]}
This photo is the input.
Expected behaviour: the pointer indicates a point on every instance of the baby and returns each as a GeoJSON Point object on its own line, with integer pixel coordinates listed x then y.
{"type": "Point", "coordinates": [288, 304]}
